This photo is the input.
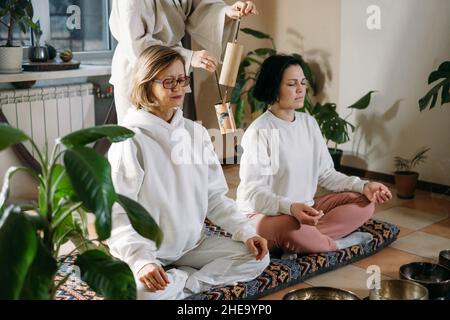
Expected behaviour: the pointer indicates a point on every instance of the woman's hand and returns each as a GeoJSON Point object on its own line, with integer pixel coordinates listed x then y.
{"type": "Point", "coordinates": [257, 246]}
{"type": "Point", "coordinates": [203, 59]}
{"type": "Point", "coordinates": [154, 277]}
{"type": "Point", "coordinates": [377, 192]}
{"type": "Point", "coordinates": [306, 214]}
{"type": "Point", "coordinates": [241, 9]}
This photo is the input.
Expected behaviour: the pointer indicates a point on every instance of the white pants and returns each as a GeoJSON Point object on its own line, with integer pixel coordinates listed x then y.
{"type": "Point", "coordinates": [215, 262]}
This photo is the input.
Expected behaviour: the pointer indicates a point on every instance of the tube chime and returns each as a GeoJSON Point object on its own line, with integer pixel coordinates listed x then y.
{"type": "Point", "coordinates": [228, 76]}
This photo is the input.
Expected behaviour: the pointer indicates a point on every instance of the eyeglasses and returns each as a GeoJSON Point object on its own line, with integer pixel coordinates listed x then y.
{"type": "Point", "coordinates": [170, 83]}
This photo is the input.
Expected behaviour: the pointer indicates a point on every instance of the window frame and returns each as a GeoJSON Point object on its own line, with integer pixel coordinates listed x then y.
{"type": "Point", "coordinates": [41, 12]}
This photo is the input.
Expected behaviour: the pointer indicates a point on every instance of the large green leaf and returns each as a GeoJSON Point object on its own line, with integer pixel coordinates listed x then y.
{"type": "Point", "coordinates": [10, 136]}
{"type": "Point", "coordinates": [442, 72]}
{"type": "Point", "coordinates": [432, 95]}
{"type": "Point", "coordinates": [141, 220]}
{"type": "Point", "coordinates": [61, 182]}
{"type": "Point", "coordinates": [39, 281]}
{"type": "Point", "coordinates": [255, 33]}
{"type": "Point", "coordinates": [111, 278]}
{"type": "Point", "coordinates": [18, 245]}
{"type": "Point", "coordinates": [362, 103]}
{"type": "Point", "coordinates": [90, 176]}
{"type": "Point", "coordinates": [85, 136]}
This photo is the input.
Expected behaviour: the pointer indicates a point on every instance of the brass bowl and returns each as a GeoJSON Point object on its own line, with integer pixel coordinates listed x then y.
{"type": "Point", "coordinates": [444, 258]}
{"type": "Point", "coordinates": [399, 290]}
{"type": "Point", "coordinates": [433, 276]}
{"type": "Point", "coordinates": [320, 293]}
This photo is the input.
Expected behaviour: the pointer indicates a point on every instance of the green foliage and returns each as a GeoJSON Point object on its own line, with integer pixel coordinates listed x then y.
{"type": "Point", "coordinates": [16, 11]}
{"type": "Point", "coordinates": [333, 127]}
{"type": "Point", "coordinates": [407, 165]}
{"type": "Point", "coordinates": [443, 72]}
{"type": "Point", "coordinates": [30, 242]}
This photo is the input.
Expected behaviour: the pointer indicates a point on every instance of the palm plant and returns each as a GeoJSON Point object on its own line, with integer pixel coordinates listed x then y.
{"type": "Point", "coordinates": [407, 165]}
{"type": "Point", "coordinates": [31, 236]}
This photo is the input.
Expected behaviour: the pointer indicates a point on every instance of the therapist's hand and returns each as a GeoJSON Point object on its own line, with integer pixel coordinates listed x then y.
{"type": "Point", "coordinates": [241, 9]}
{"type": "Point", "coordinates": [204, 60]}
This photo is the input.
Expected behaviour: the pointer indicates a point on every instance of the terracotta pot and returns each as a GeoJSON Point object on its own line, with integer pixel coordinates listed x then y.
{"type": "Point", "coordinates": [405, 182]}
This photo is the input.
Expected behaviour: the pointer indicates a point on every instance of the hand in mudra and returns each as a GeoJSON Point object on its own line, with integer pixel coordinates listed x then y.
{"type": "Point", "coordinates": [305, 214]}
{"type": "Point", "coordinates": [154, 277]}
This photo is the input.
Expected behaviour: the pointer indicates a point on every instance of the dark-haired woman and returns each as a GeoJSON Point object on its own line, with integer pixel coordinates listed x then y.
{"type": "Point", "coordinates": [285, 158]}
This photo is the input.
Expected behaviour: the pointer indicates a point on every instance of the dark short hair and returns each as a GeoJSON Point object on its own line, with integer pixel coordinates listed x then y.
{"type": "Point", "coordinates": [267, 87]}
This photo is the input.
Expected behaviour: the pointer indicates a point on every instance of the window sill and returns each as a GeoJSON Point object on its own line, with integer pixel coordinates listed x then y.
{"type": "Point", "coordinates": [83, 71]}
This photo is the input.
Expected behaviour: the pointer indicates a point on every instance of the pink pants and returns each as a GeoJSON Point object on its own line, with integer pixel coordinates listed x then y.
{"type": "Point", "coordinates": [343, 213]}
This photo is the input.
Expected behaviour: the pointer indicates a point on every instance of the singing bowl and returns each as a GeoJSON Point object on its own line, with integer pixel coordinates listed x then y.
{"type": "Point", "coordinates": [444, 258]}
{"type": "Point", "coordinates": [320, 293]}
{"type": "Point", "coordinates": [433, 276]}
{"type": "Point", "coordinates": [399, 290]}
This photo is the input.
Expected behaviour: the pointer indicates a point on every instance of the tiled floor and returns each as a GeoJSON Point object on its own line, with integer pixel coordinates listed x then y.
{"type": "Point", "coordinates": [424, 231]}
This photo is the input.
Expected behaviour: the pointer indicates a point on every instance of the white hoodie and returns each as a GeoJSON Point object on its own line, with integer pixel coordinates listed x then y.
{"type": "Point", "coordinates": [161, 167]}
{"type": "Point", "coordinates": [283, 162]}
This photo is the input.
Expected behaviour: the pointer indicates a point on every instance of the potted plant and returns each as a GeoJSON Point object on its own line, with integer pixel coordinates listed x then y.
{"type": "Point", "coordinates": [405, 178]}
{"type": "Point", "coordinates": [333, 127]}
{"type": "Point", "coordinates": [38, 53]}
{"type": "Point", "coordinates": [443, 72]}
{"type": "Point", "coordinates": [29, 242]}
{"type": "Point", "coordinates": [18, 12]}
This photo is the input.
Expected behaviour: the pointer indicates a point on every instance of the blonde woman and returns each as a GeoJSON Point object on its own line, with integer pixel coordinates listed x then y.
{"type": "Point", "coordinates": [180, 185]}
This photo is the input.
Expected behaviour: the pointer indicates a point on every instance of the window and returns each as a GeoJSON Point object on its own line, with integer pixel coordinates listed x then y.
{"type": "Point", "coordinates": [79, 25]}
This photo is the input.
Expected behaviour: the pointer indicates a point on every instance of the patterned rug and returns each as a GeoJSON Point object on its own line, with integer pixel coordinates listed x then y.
{"type": "Point", "coordinates": [278, 275]}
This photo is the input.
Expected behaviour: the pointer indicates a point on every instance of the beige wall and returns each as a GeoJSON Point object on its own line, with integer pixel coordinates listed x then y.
{"type": "Point", "coordinates": [396, 61]}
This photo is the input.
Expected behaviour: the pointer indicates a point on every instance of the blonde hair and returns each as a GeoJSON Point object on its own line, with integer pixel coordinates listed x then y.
{"type": "Point", "coordinates": [151, 62]}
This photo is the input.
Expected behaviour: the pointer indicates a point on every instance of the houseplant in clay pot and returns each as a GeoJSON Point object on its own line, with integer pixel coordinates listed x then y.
{"type": "Point", "coordinates": [405, 178]}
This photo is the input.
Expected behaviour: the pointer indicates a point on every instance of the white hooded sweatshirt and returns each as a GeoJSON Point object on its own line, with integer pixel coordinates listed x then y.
{"type": "Point", "coordinates": [170, 169]}
{"type": "Point", "coordinates": [284, 162]}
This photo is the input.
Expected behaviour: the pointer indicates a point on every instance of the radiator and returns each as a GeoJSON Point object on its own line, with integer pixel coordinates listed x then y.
{"type": "Point", "coordinates": [50, 112]}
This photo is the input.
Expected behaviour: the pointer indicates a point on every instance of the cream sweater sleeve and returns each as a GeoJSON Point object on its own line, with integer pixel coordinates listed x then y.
{"type": "Point", "coordinates": [125, 243]}
{"type": "Point", "coordinates": [256, 170]}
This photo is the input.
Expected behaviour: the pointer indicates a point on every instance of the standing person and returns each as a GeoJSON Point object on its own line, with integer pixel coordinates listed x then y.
{"type": "Point", "coordinates": [285, 158]}
{"type": "Point", "coordinates": [170, 167]}
{"type": "Point", "coordinates": [138, 24]}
